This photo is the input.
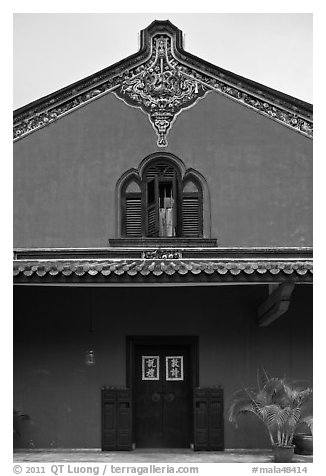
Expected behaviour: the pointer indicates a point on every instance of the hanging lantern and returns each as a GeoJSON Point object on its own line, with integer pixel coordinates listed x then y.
{"type": "Point", "coordinates": [89, 357]}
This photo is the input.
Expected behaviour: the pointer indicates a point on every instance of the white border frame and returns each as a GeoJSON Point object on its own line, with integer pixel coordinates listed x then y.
{"type": "Point", "coordinates": [167, 358]}
{"type": "Point", "coordinates": [157, 357]}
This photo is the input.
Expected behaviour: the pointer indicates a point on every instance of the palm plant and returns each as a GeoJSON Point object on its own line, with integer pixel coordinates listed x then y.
{"type": "Point", "coordinates": [280, 405]}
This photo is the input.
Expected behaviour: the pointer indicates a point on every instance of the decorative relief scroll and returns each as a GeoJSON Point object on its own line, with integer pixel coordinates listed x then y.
{"type": "Point", "coordinates": [161, 89]}
{"type": "Point", "coordinates": [174, 367]}
{"type": "Point", "coordinates": [162, 254]}
{"type": "Point", "coordinates": [150, 367]}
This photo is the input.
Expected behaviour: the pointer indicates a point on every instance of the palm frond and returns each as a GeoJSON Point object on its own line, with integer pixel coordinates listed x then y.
{"type": "Point", "coordinates": [263, 397]}
{"type": "Point", "coordinates": [277, 403]}
{"type": "Point", "coordinates": [303, 397]}
{"type": "Point", "coordinates": [294, 417]}
{"type": "Point", "coordinates": [264, 378]}
{"type": "Point", "coordinates": [249, 408]}
{"type": "Point", "coordinates": [240, 405]}
{"type": "Point", "coordinates": [274, 386]}
{"type": "Point", "coordinates": [269, 414]}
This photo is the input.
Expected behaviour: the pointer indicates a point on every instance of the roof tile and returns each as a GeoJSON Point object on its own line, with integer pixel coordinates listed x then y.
{"type": "Point", "coordinates": [158, 267]}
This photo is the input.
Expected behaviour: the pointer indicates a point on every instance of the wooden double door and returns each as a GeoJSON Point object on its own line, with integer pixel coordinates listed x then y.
{"type": "Point", "coordinates": [162, 390]}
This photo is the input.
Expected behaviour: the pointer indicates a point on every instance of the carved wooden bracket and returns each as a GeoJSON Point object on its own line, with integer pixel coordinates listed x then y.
{"type": "Point", "coordinates": [276, 304]}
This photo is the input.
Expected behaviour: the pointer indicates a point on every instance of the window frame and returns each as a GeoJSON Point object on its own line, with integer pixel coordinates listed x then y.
{"type": "Point", "coordinates": [124, 197]}
{"type": "Point", "coordinates": [199, 196]}
{"type": "Point", "coordinates": [180, 180]}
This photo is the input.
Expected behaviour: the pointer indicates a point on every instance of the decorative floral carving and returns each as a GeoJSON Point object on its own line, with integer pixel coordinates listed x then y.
{"type": "Point", "coordinates": [161, 89]}
{"type": "Point", "coordinates": [162, 254]}
{"type": "Point", "coordinates": [44, 118]}
{"type": "Point", "coordinates": [162, 86]}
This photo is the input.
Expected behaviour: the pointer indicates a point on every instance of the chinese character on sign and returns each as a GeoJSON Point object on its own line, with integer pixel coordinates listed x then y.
{"type": "Point", "coordinates": [174, 367]}
{"type": "Point", "coordinates": [150, 367]}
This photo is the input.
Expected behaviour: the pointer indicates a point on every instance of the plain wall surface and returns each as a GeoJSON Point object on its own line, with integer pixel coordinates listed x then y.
{"type": "Point", "coordinates": [259, 173]}
{"type": "Point", "coordinates": [62, 394]}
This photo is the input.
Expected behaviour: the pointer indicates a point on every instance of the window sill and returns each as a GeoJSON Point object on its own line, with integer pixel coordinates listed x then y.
{"type": "Point", "coordinates": [163, 242]}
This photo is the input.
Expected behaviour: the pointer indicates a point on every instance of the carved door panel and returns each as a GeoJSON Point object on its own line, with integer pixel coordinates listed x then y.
{"type": "Point", "coordinates": [162, 397]}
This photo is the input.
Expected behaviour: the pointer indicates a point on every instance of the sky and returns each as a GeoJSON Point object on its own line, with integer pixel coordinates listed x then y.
{"type": "Point", "coordinates": [53, 50]}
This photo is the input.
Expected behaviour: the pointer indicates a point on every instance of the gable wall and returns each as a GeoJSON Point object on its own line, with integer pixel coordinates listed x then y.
{"type": "Point", "coordinates": [259, 173]}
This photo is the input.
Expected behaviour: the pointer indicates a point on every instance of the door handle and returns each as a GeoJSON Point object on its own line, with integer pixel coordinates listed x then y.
{"type": "Point", "coordinates": [156, 397]}
{"type": "Point", "coordinates": [169, 397]}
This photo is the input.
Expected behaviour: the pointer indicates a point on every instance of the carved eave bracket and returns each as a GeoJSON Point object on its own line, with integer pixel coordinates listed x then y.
{"type": "Point", "coordinates": [163, 80]}
{"type": "Point", "coordinates": [276, 304]}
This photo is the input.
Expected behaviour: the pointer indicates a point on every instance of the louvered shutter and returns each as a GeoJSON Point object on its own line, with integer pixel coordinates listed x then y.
{"type": "Point", "coordinates": [133, 209]}
{"type": "Point", "coordinates": [191, 215]}
{"type": "Point", "coordinates": [152, 224]}
{"type": "Point", "coordinates": [131, 201]}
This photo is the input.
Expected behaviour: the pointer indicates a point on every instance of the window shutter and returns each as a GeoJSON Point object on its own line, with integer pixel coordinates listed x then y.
{"type": "Point", "coordinates": [192, 210]}
{"type": "Point", "coordinates": [152, 224]}
{"type": "Point", "coordinates": [133, 211]}
{"type": "Point", "coordinates": [131, 224]}
{"type": "Point", "coordinates": [192, 222]}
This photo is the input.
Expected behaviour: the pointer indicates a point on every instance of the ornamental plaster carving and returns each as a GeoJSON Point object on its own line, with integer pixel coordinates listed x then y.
{"type": "Point", "coordinates": [162, 84]}
{"type": "Point", "coordinates": [160, 253]}
{"type": "Point", "coordinates": [161, 89]}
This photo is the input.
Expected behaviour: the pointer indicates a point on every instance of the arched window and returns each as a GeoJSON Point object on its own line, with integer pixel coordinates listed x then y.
{"type": "Point", "coordinates": [161, 200]}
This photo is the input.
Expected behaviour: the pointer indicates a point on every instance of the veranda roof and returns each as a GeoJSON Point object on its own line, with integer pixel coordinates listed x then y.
{"type": "Point", "coordinates": [225, 266]}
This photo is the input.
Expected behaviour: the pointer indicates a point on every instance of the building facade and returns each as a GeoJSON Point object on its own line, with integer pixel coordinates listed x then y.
{"type": "Point", "coordinates": [162, 247]}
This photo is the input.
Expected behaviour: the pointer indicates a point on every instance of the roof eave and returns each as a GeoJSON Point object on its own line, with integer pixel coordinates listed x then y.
{"type": "Point", "coordinates": [145, 35]}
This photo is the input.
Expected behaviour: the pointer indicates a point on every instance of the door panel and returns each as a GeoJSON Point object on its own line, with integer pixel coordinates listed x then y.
{"type": "Point", "coordinates": [163, 407]}
{"type": "Point", "coordinates": [148, 404]}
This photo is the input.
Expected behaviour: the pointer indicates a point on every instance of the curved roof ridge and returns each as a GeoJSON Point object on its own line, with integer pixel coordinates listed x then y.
{"type": "Point", "coordinates": [200, 75]}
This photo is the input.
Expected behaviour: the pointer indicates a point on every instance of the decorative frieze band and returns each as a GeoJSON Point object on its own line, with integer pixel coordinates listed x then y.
{"type": "Point", "coordinates": [162, 254]}
{"type": "Point", "coordinates": [162, 86]}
